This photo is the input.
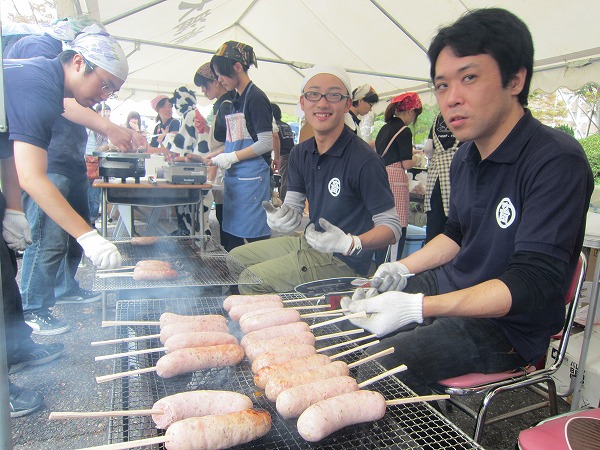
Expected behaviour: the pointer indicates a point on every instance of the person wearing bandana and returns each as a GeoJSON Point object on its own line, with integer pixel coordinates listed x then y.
{"type": "Point", "coordinates": [246, 159]}
{"type": "Point", "coordinates": [364, 98]}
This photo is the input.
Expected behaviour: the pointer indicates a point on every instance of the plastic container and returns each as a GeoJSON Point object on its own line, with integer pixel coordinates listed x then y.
{"type": "Point", "coordinates": [415, 236]}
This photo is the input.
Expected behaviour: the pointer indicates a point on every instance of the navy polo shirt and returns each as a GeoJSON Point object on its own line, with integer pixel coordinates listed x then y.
{"type": "Point", "coordinates": [347, 186]}
{"type": "Point", "coordinates": [530, 194]}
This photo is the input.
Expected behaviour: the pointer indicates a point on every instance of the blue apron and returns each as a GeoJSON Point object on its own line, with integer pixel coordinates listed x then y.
{"type": "Point", "coordinates": [246, 184]}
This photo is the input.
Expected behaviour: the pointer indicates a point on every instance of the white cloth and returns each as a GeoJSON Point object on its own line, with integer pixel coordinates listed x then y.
{"type": "Point", "coordinates": [225, 160]}
{"type": "Point", "coordinates": [332, 240]}
{"type": "Point", "coordinates": [336, 71]}
{"type": "Point", "coordinates": [15, 230]}
{"type": "Point", "coordinates": [360, 92]}
{"type": "Point", "coordinates": [102, 253]}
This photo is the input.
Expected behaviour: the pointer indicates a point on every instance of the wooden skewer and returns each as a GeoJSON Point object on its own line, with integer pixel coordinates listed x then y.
{"type": "Point", "coordinates": [129, 339]}
{"type": "Point", "coordinates": [113, 270]}
{"type": "Point", "coordinates": [338, 319]}
{"type": "Point", "coordinates": [309, 307]}
{"type": "Point", "coordinates": [422, 398]}
{"type": "Point", "coordinates": [116, 323]}
{"type": "Point", "coordinates": [97, 414]}
{"type": "Point", "coordinates": [132, 353]}
{"type": "Point", "coordinates": [114, 275]}
{"type": "Point", "coordinates": [323, 313]}
{"type": "Point", "coordinates": [355, 349]}
{"type": "Point", "coordinates": [306, 299]}
{"type": "Point", "coordinates": [341, 344]}
{"type": "Point", "coordinates": [387, 351]}
{"type": "Point", "coordinates": [341, 333]}
{"type": "Point", "coordinates": [387, 373]}
{"type": "Point", "coordinates": [130, 444]}
{"type": "Point", "coordinates": [129, 373]}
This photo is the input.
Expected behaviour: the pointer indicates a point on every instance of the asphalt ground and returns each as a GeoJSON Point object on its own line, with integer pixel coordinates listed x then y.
{"type": "Point", "coordinates": [68, 384]}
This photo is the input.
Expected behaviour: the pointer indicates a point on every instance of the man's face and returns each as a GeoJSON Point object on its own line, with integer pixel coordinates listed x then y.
{"type": "Point", "coordinates": [472, 100]}
{"type": "Point", "coordinates": [323, 116]}
{"type": "Point", "coordinates": [95, 86]}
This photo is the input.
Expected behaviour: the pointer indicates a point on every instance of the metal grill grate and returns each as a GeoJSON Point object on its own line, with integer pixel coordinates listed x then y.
{"type": "Point", "coordinates": [414, 426]}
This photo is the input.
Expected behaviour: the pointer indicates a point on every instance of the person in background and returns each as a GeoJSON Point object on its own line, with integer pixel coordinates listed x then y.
{"type": "Point", "coordinates": [96, 142]}
{"type": "Point", "coordinates": [165, 123]}
{"type": "Point", "coordinates": [351, 207]}
{"type": "Point", "coordinates": [488, 293]}
{"type": "Point", "coordinates": [364, 98]}
{"type": "Point", "coordinates": [286, 142]}
{"type": "Point", "coordinates": [440, 149]}
{"type": "Point", "coordinates": [246, 159]}
{"type": "Point", "coordinates": [134, 122]}
{"type": "Point", "coordinates": [394, 144]}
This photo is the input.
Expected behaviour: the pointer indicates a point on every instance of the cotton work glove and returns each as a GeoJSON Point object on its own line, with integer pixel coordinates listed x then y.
{"type": "Point", "coordinates": [390, 276]}
{"type": "Point", "coordinates": [225, 160]}
{"type": "Point", "coordinates": [284, 219]}
{"type": "Point", "coordinates": [101, 252]}
{"type": "Point", "coordinates": [15, 230]}
{"type": "Point", "coordinates": [386, 312]}
{"type": "Point", "coordinates": [332, 240]}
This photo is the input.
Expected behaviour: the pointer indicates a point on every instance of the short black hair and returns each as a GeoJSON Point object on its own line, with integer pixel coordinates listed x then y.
{"type": "Point", "coordinates": [493, 31]}
{"type": "Point", "coordinates": [66, 56]}
{"type": "Point", "coordinates": [276, 112]}
{"type": "Point", "coordinates": [102, 106]}
{"type": "Point", "coordinates": [371, 98]}
{"type": "Point", "coordinates": [225, 66]}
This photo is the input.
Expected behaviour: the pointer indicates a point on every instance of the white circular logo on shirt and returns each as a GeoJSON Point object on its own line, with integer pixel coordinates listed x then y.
{"type": "Point", "coordinates": [334, 186]}
{"type": "Point", "coordinates": [505, 213]}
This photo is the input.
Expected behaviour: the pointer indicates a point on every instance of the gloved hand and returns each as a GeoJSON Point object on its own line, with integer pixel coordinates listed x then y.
{"type": "Point", "coordinates": [390, 277]}
{"type": "Point", "coordinates": [225, 160]}
{"type": "Point", "coordinates": [386, 312]}
{"type": "Point", "coordinates": [284, 219]}
{"type": "Point", "coordinates": [332, 240]}
{"type": "Point", "coordinates": [15, 230]}
{"type": "Point", "coordinates": [102, 253]}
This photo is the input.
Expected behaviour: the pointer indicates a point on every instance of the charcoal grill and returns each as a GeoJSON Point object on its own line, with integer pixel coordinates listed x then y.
{"type": "Point", "coordinates": [415, 426]}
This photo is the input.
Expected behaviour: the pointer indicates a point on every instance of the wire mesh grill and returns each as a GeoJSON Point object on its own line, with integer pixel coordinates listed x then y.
{"type": "Point", "coordinates": [415, 426]}
{"type": "Point", "coordinates": [199, 262]}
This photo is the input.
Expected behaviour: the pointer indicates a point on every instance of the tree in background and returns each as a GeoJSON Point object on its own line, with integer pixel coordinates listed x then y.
{"type": "Point", "coordinates": [33, 11]}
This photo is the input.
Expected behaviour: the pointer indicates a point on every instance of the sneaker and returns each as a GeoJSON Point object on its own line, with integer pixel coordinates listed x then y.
{"type": "Point", "coordinates": [23, 401]}
{"type": "Point", "coordinates": [35, 354]}
{"type": "Point", "coordinates": [80, 296]}
{"type": "Point", "coordinates": [45, 324]}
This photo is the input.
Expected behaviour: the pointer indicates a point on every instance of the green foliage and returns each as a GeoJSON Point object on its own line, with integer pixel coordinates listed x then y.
{"type": "Point", "coordinates": [420, 130]}
{"type": "Point", "coordinates": [566, 129]}
{"type": "Point", "coordinates": [591, 146]}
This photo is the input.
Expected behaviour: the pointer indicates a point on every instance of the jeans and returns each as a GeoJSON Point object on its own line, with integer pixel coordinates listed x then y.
{"type": "Point", "coordinates": [50, 262]}
{"type": "Point", "coordinates": [447, 346]}
{"type": "Point", "coordinates": [93, 195]}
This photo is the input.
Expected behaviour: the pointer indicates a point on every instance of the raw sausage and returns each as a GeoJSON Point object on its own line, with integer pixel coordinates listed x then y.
{"type": "Point", "coordinates": [196, 404]}
{"type": "Point", "coordinates": [237, 311]}
{"type": "Point", "coordinates": [259, 312]}
{"type": "Point", "coordinates": [237, 299]}
{"type": "Point", "coordinates": [292, 366]}
{"type": "Point", "coordinates": [154, 264]}
{"type": "Point", "coordinates": [277, 384]}
{"type": "Point", "coordinates": [273, 332]}
{"type": "Point", "coordinates": [269, 319]}
{"type": "Point", "coordinates": [189, 360]}
{"type": "Point", "coordinates": [255, 348]}
{"type": "Point", "coordinates": [144, 240]}
{"type": "Point", "coordinates": [199, 339]}
{"type": "Point", "coordinates": [327, 416]}
{"type": "Point", "coordinates": [175, 328]}
{"type": "Point", "coordinates": [294, 401]}
{"type": "Point", "coordinates": [282, 355]}
{"type": "Point", "coordinates": [169, 318]}
{"type": "Point", "coordinates": [142, 274]}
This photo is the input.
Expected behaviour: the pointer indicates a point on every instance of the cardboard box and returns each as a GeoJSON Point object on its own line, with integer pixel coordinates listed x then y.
{"type": "Point", "coordinates": [590, 391]}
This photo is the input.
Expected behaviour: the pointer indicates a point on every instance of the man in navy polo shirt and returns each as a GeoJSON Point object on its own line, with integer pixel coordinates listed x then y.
{"type": "Point", "coordinates": [492, 285]}
{"type": "Point", "coordinates": [351, 206]}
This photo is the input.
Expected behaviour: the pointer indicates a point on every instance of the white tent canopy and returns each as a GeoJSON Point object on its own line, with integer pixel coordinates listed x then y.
{"type": "Point", "coordinates": [380, 42]}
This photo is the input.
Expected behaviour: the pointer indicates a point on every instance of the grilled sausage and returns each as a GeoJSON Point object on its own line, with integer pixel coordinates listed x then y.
{"type": "Point", "coordinates": [144, 240]}
{"type": "Point", "coordinates": [142, 274]}
{"type": "Point", "coordinates": [154, 264]}
{"type": "Point", "coordinates": [256, 348]}
{"type": "Point", "coordinates": [237, 299]}
{"type": "Point", "coordinates": [328, 416]}
{"type": "Point", "coordinates": [293, 402]}
{"type": "Point", "coordinates": [196, 404]}
{"type": "Point", "coordinates": [218, 432]}
{"type": "Point", "coordinates": [281, 355]}
{"type": "Point", "coordinates": [277, 384]}
{"type": "Point", "coordinates": [185, 327]}
{"type": "Point", "coordinates": [269, 319]}
{"type": "Point", "coordinates": [292, 366]}
{"type": "Point", "coordinates": [199, 339]}
{"type": "Point", "coordinates": [189, 360]}
{"type": "Point", "coordinates": [169, 318]}
{"type": "Point", "coordinates": [273, 332]}
{"type": "Point", "coordinates": [237, 311]}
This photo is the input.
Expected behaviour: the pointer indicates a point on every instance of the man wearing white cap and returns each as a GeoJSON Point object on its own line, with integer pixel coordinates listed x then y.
{"type": "Point", "coordinates": [351, 207]}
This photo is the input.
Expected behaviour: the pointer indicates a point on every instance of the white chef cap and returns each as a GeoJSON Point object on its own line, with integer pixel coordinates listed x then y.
{"type": "Point", "coordinates": [336, 71]}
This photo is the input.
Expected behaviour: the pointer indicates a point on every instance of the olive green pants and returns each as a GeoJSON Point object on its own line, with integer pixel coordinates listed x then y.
{"type": "Point", "coordinates": [285, 262]}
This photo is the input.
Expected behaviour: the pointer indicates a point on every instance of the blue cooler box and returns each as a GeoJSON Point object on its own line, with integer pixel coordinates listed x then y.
{"type": "Point", "coordinates": [415, 236]}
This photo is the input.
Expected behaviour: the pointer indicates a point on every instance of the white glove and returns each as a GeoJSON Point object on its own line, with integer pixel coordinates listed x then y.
{"type": "Point", "coordinates": [102, 253]}
{"type": "Point", "coordinates": [225, 160]}
{"type": "Point", "coordinates": [386, 312]}
{"type": "Point", "coordinates": [15, 230]}
{"type": "Point", "coordinates": [285, 219]}
{"type": "Point", "coordinates": [332, 240]}
{"type": "Point", "coordinates": [390, 277]}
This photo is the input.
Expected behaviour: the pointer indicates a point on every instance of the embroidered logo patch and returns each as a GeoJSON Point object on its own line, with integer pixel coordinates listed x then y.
{"type": "Point", "coordinates": [505, 213]}
{"type": "Point", "coordinates": [334, 186]}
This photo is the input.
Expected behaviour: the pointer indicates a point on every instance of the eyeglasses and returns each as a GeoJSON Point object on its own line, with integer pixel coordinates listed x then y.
{"type": "Point", "coordinates": [331, 97]}
{"type": "Point", "coordinates": [106, 89]}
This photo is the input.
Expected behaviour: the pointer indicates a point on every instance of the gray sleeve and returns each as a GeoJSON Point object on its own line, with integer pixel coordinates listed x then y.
{"type": "Point", "coordinates": [388, 218]}
{"type": "Point", "coordinates": [264, 143]}
{"type": "Point", "coordinates": [295, 200]}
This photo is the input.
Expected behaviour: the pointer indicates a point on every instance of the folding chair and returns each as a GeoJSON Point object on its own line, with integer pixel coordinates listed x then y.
{"type": "Point", "coordinates": [492, 384]}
